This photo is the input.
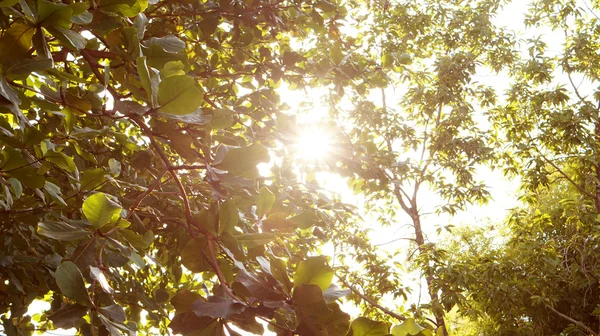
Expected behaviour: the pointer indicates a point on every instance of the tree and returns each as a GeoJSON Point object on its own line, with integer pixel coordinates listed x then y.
{"type": "Point", "coordinates": [543, 280]}
{"type": "Point", "coordinates": [131, 132]}
{"type": "Point", "coordinates": [424, 54]}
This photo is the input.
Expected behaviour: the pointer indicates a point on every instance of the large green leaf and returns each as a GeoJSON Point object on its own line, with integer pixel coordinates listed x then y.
{"type": "Point", "coordinates": [362, 326]}
{"type": "Point", "coordinates": [68, 316]}
{"type": "Point", "coordinates": [238, 160]}
{"type": "Point", "coordinates": [70, 282]}
{"type": "Point", "coordinates": [54, 15]}
{"type": "Point", "coordinates": [408, 328]}
{"type": "Point", "coordinates": [314, 270]}
{"type": "Point", "coordinates": [179, 95]}
{"type": "Point", "coordinates": [100, 210]}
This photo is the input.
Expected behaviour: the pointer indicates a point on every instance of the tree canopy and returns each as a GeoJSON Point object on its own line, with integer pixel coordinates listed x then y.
{"type": "Point", "coordinates": [150, 182]}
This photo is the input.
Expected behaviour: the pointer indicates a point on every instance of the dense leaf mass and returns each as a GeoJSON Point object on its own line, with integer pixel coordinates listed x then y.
{"type": "Point", "coordinates": [149, 182]}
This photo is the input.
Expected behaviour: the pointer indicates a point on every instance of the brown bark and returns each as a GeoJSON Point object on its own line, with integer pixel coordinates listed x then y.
{"type": "Point", "coordinates": [435, 300]}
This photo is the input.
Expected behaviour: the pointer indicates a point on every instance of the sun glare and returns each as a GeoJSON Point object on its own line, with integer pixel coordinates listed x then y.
{"type": "Point", "coordinates": [313, 144]}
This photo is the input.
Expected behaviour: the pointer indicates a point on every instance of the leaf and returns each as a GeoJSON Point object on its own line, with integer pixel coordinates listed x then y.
{"type": "Point", "coordinates": [407, 328]}
{"type": "Point", "coordinates": [169, 43]}
{"type": "Point", "coordinates": [25, 67]}
{"type": "Point", "coordinates": [228, 217]}
{"type": "Point", "coordinates": [251, 240]}
{"type": "Point", "coordinates": [68, 316]}
{"type": "Point", "coordinates": [279, 272]}
{"type": "Point", "coordinates": [114, 166]}
{"type": "Point", "coordinates": [69, 38]}
{"type": "Point", "coordinates": [114, 312]}
{"type": "Point", "coordinates": [61, 160]}
{"type": "Point", "coordinates": [8, 3]}
{"type": "Point", "coordinates": [304, 220]}
{"type": "Point", "coordinates": [55, 192]}
{"type": "Point", "coordinates": [364, 327]}
{"type": "Point", "coordinates": [9, 98]}
{"type": "Point", "coordinates": [238, 160]}
{"type": "Point", "coordinates": [54, 15]}
{"type": "Point", "coordinates": [314, 270]}
{"type": "Point", "coordinates": [61, 231]}
{"type": "Point", "coordinates": [188, 324]}
{"type": "Point", "coordinates": [97, 275]}
{"type": "Point", "coordinates": [92, 179]}
{"type": "Point", "coordinates": [16, 187]}
{"type": "Point", "coordinates": [128, 8]}
{"type": "Point", "coordinates": [145, 79]}
{"type": "Point", "coordinates": [179, 95]}
{"type": "Point", "coordinates": [15, 43]}
{"type": "Point", "coordinates": [217, 307]}
{"type": "Point", "coordinates": [265, 202]}
{"type": "Point", "coordinates": [193, 258]}
{"type": "Point", "coordinates": [70, 282]}
{"type": "Point", "coordinates": [183, 300]}
{"type": "Point", "coordinates": [100, 210]}
{"type": "Point", "coordinates": [333, 293]}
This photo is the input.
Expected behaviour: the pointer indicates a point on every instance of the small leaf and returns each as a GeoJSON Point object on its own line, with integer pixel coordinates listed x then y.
{"type": "Point", "coordinates": [265, 202]}
{"type": "Point", "coordinates": [55, 192]}
{"type": "Point", "coordinates": [179, 95]}
{"type": "Point", "coordinates": [16, 187]}
{"type": "Point", "coordinates": [100, 210]}
{"type": "Point", "coordinates": [97, 275]}
{"type": "Point", "coordinates": [70, 282]}
{"type": "Point", "coordinates": [115, 167]}
{"type": "Point", "coordinates": [314, 270]}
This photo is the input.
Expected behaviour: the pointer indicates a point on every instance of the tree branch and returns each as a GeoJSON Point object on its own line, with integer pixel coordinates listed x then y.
{"type": "Point", "coordinates": [372, 302]}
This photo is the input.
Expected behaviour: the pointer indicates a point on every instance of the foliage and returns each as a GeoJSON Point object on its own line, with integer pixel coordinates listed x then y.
{"type": "Point", "coordinates": [131, 133]}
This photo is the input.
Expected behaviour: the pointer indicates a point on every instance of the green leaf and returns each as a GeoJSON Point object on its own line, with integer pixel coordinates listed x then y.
{"type": "Point", "coordinates": [265, 202]}
{"type": "Point", "coordinates": [8, 3]}
{"type": "Point", "coordinates": [61, 231]}
{"type": "Point", "coordinates": [238, 160]}
{"type": "Point", "coordinates": [314, 270]}
{"type": "Point", "coordinates": [25, 67]}
{"type": "Point", "coordinates": [279, 271]}
{"type": "Point", "coordinates": [251, 240]}
{"type": "Point", "coordinates": [92, 179]}
{"type": "Point", "coordinates": [70, 282]}
{"type": "Point", "coordinates": [228, 216]}
{"type": "Point", "coordinates": [144, 73]}
{"type": "Point", "coordinates": [193, 258]}
{"type": "Point", "coordinates": [61, 160]}
{"type": "Point", "coordinates": [364, 327]}
{"type": "Point", "coordinates": [407, 328]}
{"type": "Point", "coordinates": [69, 38]}
{"type": "Point", "coordinates": [179, 95]}
{"type": "Point", "coordinates": [15, 43]}
{"type": "Point", "coordinates": [100, 210]}
{"type": "Point", "coordinates": [114, 166]}
{"type": "Point", "coordinates": [54, 15]}
{"type": "Point", "coordinates": [128, 8]}
{"type": "Point", "coordinates": [16, 187]}
{"type": "Point", "coordinates": [68, 316]}
{"type": "Point", "coordinates": [333, 293]}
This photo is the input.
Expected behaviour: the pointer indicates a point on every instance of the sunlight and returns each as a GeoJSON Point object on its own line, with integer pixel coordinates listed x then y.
{"type": "Point", "coordinates": [313, 144]}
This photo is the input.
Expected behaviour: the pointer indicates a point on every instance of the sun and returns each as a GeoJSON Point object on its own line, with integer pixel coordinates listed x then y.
{"type": "Point", "coordinates": [313, 144]}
